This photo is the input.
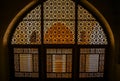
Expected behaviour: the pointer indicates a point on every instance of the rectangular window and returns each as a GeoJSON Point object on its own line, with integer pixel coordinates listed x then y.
{"type": "Point", "coordinates": [91, 62]}
{"type": "Point", "coordinates": [26, 62]}
{"type": "Point", "coordinates": [59, 63]}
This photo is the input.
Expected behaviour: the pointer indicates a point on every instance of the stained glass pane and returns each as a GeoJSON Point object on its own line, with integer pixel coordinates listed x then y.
{"type": "Point", "coordinates": [59, 63]}
{"type": "Point", "coordinates": [91, 62]}
{"type": "Point", "coordinates": [59, 22]}
{"type": "Point", "coordinates": [26, 62]}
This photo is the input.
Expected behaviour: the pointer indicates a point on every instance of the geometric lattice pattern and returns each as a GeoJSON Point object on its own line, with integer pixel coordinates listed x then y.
{"type": "Point", "coordinates": [69, 24]}
{"type": "Point", "coordinates": [90, 32]}
{"type": "Point", "coordinates": [26, 62]}
{"type": "Point", "coordinates": [59, 63]}
{"type": "Point", "coordinates": [59, 34]}
{"type": "Point", "coordinates": [84, 15]}
{"type": "Point", "coordinates": [34, 14]}
{"type": "Point", "coordinates": [58, 25]}
{"type": "Point", "coordinates": [59, 9]}
{"type": "Point", "coordinates": [28, 31]}
{"type": "Point", "coordinates": [55, 12]}
{"type": "Point", "coordinates": [91, 62]}
{"type": "Point", "coordinates": [59, 16]}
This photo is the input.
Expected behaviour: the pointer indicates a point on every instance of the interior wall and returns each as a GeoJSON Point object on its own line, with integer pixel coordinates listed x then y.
{"type": "Point", "coordinates": [109, 9]}
{"type": "Point", "coordinates": [8, 10]}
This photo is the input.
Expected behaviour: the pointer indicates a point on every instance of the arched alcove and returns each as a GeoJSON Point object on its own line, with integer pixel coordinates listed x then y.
{"type": "Point", "coordinates": [59, 40]}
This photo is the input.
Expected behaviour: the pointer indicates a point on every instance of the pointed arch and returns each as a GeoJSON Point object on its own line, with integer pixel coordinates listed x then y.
{"type": "Point", "coordinates": [101, 18]}
{"type": "Point", "coordinates": [7, 37]}
{"type": "Point", "coordinates": [12, 24]}
{"type": "Point", "coordinates": [84, 2]}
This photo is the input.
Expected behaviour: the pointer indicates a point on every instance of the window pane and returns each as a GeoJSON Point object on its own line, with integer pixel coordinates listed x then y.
{"type": "Point", "coordinates": [59, 9]}
{"type": "Point", "coordinates": [89, 30]}
{"type": "Point", "coordinates": [59, 22]}
{"type": "Point", "coordinates": [28, 30]}
{"type": "Point", "coordinates": [59, 63]}
{"type": "Point", "coordinates": [91, 62]}
{"type": "Point", "coordinates": [84, 15]}
{"type": "Point", "coordinates": [34, 14]}
{"type": "Point", "coordinates": [26, 62]}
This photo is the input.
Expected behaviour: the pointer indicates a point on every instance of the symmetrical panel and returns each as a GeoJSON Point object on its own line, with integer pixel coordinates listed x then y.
{"type": "Point", "coordinates": [58, 27]}
{"type": "Point", "coordinates": [59, 9]}
{"type": "Point", "coordinates": [59, 14]}
{"type": "Point", "coordinates": [28, 30]}
{"type": "Point", "coordinates": [59, 63]}
{"type": "Point", "coordinates": [91, 62]}
{"type": "Point", "coordinates": [26, 62]}
{"type": "Point", "coordinates": [59, 33]}
{"type": "Point", "coordinates": [89, 30]}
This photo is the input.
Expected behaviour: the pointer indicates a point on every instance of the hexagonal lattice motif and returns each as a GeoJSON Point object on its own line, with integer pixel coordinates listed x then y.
{"type": "Point", "coordinates": [60, 24]}
{"type": "Point", "coordinates": [59, 33]}
{"type": "Point", "coordinates": [34, 14]}
{"type": "Point", "coordinates": [59, 9]}
{"type": "Point", "coordinates": [83, 14]}
{"type": "Point", "coordinates": [27, 32]}
{"type": "Point", "coordinates": [90, 32]}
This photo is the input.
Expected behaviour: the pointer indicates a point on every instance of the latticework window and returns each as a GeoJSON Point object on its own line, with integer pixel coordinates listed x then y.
{"type": "Point", "coordinates": [53, 26]}
{"type": "Point", "coordinates": [59, 22]}
{"type": "Point", "coordinates": [28, 31]}
{"type": "Point", "coordinates": [89, 29]}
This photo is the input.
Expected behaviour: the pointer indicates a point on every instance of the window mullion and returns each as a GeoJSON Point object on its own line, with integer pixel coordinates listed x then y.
{"type": "Point", "coordinates": [75, 53]}
{"type": "Point", "coordinates": [42, 56]}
